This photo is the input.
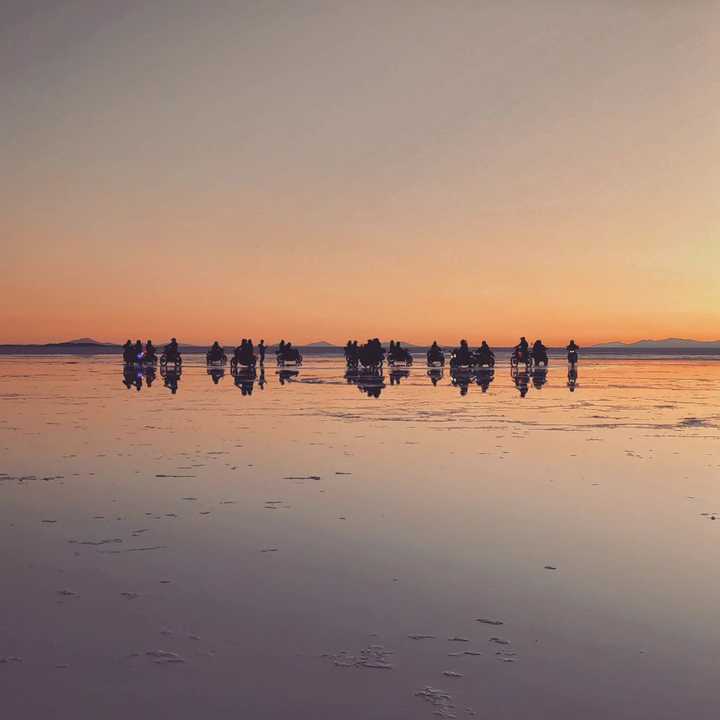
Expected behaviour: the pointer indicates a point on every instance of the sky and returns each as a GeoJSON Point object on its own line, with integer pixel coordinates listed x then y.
{"type": "Point", "coordinates": [325, 170]}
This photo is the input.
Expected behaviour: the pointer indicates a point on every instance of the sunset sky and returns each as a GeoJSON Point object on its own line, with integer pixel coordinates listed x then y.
{"type": "Point", "coordinates": [325, 170]}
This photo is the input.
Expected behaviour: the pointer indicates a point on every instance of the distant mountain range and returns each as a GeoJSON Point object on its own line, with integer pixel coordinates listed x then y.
{"type": "Point", "coordinates": [81, 341]}
{"type": "Point", "coordinates": [318, 344]}
{"type": "Point", "coordinates": [87, 345]}
{"type": "Point", "coordinates": [678, 343]}
{"type": "Point", "coordinates": [650, 344]}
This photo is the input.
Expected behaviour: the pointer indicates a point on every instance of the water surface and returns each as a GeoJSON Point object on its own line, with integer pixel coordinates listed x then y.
{"type": "Point", "coordinates": [283, 552]}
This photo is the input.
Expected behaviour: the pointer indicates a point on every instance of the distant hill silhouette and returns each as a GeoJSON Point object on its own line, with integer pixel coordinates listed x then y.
{"type": "Point", "coordinates": [664, 343]}
{"type": "Point", "coordinates": [81, 341]}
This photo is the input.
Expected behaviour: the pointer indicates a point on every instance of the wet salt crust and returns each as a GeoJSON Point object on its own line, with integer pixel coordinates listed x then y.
{"type": "Point", "coordinates": [185, 551]}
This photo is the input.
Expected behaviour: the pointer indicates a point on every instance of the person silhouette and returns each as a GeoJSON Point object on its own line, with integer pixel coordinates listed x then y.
{"type": "Point", "coordinates": [216, 353]}
{"type": "Point", "coordinates": [150, 354]}
{"type": "Point", "coordinates": [539, 353]}
{"type": "Point", "coordinates": [172, 352]}
{"type": "Point", "coordinates": [462, 354]}
{"type": "Point", "coordinates": [485, 355]}
{"type": "Point", "coordinates": [521, 352]}
{"type": "Point", "coordinates": [261, 351]}
{"type": "Point", "coordinates": [572, 352]}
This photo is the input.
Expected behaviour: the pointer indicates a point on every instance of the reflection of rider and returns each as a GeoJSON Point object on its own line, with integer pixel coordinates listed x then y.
{"type": "Point", "coordinates": [461, 382]}
{"type": "Point", "coordinates": [149, 376]}
{"type": "Point", "coordinates": [171, 379]}
{"type": "Point", "coordinates": [539, 378]}
{"type": "Point", "coordinates": [131, 378]}
{"type": "Point", "coordinates": [572, 378]}
{"type": "Point", "coordinates": [435, 374]}
{"type": "Point", "coordinates": [521, 380]}
{"type": "Point", "coordinates": [484, 380]}
{"type": "Point", "coordinates": [397, 375]}
{"type": "Point", "coordinates": [286, 376]}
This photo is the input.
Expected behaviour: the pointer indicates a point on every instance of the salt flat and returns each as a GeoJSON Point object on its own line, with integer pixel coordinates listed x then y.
{"type": "Point", "coordinates": [308, 550]}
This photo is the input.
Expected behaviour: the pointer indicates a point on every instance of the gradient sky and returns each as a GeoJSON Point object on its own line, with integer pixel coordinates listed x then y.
{"type": "Point", "coordinates": [319, 170]}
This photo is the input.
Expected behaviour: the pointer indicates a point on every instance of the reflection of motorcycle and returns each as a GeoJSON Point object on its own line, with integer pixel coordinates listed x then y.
{"type": "Point", "coordinates": [461, 377]}
{"type": "Point", "coordinates": [132, 377]}
{"type": "Point", "coordinates": [484, 376]}
{"type": "Point", "coordinates": [397, 374]}
{"type": "Point", "coordinates": [216, 373]}
{"type": "Point", "coordinates": [521, 380]}
{"type": "Point", "coordinates": [539, 377]}
{"type": "Point", "coordinates": [244, 378]}
{"type": "Point", "coordinates": [572, 378]}
{"type": "Point", "coordinates": [435, 375]}
{"type": "Point", "coordinates": [370, 382]}
{"type": "Point", "coordinates": [170, 373]}
{"type": "Point", "coordinates": [286, 376]}
{"type": "Point", "coordinates": [149, 373]}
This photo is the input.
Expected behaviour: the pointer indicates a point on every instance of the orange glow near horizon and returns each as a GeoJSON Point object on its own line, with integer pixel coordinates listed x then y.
{"type": "Point", "coordinates": [477, 171]}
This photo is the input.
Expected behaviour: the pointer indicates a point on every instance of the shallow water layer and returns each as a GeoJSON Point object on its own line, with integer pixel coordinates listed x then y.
{"type": "Point", "coordinates": [306, 549]}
